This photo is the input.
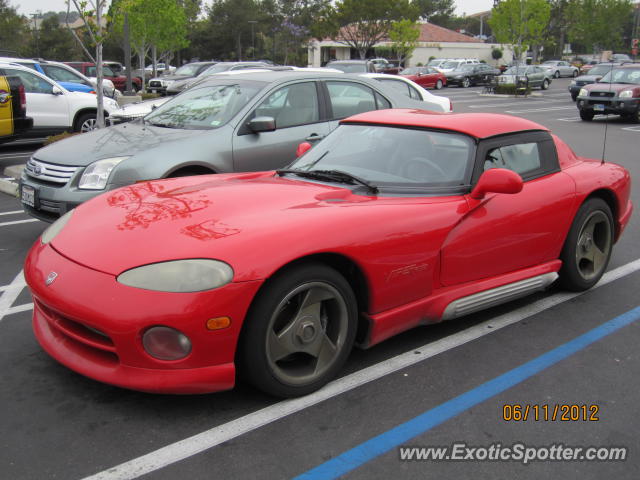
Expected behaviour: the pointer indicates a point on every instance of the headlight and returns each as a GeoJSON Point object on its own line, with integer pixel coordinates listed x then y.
{"type": "Point", "coordinates": [166, 343]}
{"type": "Point", "coordinates": [95, 176]}
{"type": "Point", "coordinates": [167, 83]}
{"type": "Point", "coordinates": [458, 77]}
{"type": "Point", "coordinates": [626, 94]}
{"type": "Point", "coordinates": [194, 275]}
{"type": "Point", "coordinates": [55, 228]}
{"type": "Point", "coordinates": [573, 82]}
{"type": "Point", "coordinates": [583, 92]}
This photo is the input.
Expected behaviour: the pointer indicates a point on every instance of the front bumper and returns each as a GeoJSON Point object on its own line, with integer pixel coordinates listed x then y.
{"type": "Point", "coordinates": [612, 105]}
{"type": "Point", "coordinates": [93, 325]}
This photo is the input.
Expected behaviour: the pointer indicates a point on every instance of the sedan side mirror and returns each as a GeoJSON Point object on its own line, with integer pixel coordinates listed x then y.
{"type": "Point", "coordinates": [302, 149]}
{"type": "Point", "coordinates": [262, 124]}
{"type": "Point", "coordinates": [56, 90]}
{"type": "Point", "coordinates": [497, 180]}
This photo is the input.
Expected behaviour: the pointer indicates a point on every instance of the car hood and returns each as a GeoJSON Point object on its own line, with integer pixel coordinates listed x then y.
{"type": "Point", "coordinates": [588, 78]}
{"type": "Point", "coordinates": [248, 220]}
{"type": "Point", "coordinates": [174, 78]}
{"type": "Point", "coordinates": [610, 87]}
{"type": "Point", "coordinates": [117, 141]}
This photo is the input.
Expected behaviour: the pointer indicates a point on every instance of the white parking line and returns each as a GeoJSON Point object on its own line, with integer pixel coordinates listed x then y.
{"type": "Point", "coordinates": [190, 446]}
{"type": "Point", "coordinates": [13, 212]}
{"type": "Point", "coordinates": [632, 129]}
{"type": "Point", "coordinates": [570, 119]}
{"type": "Point", "coordinates": [547, 109]}
{"type": "Point", "coordinates": [498, 105]}
{"type": "Point", "coordinates": [6, 224]}
{"type": "Point", "coordinates": [10, 293]}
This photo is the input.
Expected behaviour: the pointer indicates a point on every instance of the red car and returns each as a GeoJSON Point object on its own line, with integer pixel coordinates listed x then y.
{"type": "Point", "coordinates": [398, 218]}
{"type": "Point", "coordinates": [119, 81]}
{"type": "Point", "coordinates": [426, 77]}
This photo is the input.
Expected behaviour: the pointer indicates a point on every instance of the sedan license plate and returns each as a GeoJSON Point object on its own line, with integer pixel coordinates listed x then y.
{"type": "Point", "coordinates": [599, 107]}
{"type": "Point", "coordinates": [28, 196]}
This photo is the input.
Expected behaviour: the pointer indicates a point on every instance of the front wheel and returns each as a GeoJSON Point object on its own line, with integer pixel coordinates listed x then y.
{"type": "Point", "coordinates": [299, 331]}
{"type": "Point", "coordinates": [438, 84]}
{"type": "Point", "coordinates": [545, 84]}
{"type": "Point", "coordinates": [466, 83]}
{"type": "Point", "coordinates": [575, 73]}
{"type": "Point", "coordinates": [586, 115]}
{"type": "Point", "coordinates": [86, 123]}
{"type": "Point", "coordinates": [556, 74]}
{"type": "Point", "coordinates": [588, 246]}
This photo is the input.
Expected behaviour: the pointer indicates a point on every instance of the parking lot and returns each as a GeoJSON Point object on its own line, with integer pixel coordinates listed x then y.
{"type": "Point", "coordinates": [455, 382]}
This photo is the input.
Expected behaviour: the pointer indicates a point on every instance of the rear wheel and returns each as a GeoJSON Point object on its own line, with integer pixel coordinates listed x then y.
{"type": "Point", "coordinates": [438, 84]}
{"type": "Point", "coordinates": [588, 246]}
{"type": "Point", "coordinates": [586, 115]}
{"type": "Point", "coordinates": [466, 83]}
{"type": "Point", "coordinates": [556, 74]}
{"type": "Point", "coordinates": [575, 73]}
{"type": "Point", "coordinates": [299, 331]}
{"type": "Point", "coordinates": [545, 84]}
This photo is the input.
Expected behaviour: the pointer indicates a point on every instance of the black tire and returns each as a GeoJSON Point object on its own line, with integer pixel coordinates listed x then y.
{"type": "Point", "coordinates": [85, 122]}
{"type": "Point", "coordinates": [545, 84]}
{"type": "Point", "coordinates": [438, 84]}
{"type": "Point", "coordinates": [556, 74]}
{"type": "Point", "coordinates": [574, 97]}
{"type": "Point", "coordinates": [575, 73]}
{"type": "Point", "coordinates": [466, 83]}
{"type": "Point", "coordinates": [591, 235]}
{"type": "Point", "coordinates": [586, 115]}
{"type": "Point", "coordinates": [299, 331]}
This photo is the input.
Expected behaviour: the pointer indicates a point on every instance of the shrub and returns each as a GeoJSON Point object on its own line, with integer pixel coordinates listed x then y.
{"type": "Point", "coordinates": [510, 89]}
{"type": "Point", "coordinates": [60, 136]}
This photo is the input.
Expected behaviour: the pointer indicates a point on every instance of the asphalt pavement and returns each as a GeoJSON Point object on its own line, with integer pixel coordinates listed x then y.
{"type": "Point", "coordinates": [459, 382]}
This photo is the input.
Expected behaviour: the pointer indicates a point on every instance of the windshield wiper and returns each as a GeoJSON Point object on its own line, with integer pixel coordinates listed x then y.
{"type": "Point", "coordinates": [332, 175]}
{"type": "Point", "coordinates": [161, 125]}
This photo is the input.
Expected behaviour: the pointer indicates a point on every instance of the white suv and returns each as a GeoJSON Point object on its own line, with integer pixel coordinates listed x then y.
{"type": "Point", "coordinates": [53, 108]}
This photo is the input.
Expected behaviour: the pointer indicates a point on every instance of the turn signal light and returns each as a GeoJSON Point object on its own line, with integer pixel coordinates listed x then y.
{"type": "Point", "coordinates": [218, 323]}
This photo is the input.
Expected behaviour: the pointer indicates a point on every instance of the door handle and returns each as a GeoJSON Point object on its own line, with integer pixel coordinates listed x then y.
{"type": "Point", "coordinates": [314, 137]}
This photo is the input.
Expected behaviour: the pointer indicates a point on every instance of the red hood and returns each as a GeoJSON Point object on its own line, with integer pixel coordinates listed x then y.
{"type": "Point", "coordinates": [238, 218]}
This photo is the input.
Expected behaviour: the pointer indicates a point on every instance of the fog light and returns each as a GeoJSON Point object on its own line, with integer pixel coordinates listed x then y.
{"type": "Point", "coordinates": [166, 343]}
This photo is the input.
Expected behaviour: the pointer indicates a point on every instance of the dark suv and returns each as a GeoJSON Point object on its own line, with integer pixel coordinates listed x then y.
{"type": "Point", "coordinates": [618, 92]}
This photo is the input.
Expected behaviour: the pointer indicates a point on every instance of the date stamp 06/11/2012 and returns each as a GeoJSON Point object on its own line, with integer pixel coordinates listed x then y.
{"type": "Point", "coordinates": [550, 413]}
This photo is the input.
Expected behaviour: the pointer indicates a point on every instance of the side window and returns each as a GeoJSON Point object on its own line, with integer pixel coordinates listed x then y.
{"type": "Point", "coordinates": [91, 71]}
{"type": "Point", "coordinates": [349, 98]}
{"type": "Point", "coordinates": [291, 105]}
{"type": "Point", "coordinates": [382, 102]}
{"type": "Point", "coordinates": [522, 158]}
{"type": "Point", "coordinates": [60, 74]}
{"type": "Point", "coordinates": [32, 83]}
{"type": "Point", "coordinates": [398, 85]}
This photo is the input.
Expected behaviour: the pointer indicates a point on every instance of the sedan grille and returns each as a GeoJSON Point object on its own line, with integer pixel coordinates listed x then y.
{"type": "Point", "coordinates": [49, 172]}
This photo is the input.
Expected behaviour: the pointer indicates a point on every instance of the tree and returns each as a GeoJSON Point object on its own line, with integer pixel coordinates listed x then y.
{"type": "Point", "coordinates": [229, 24]}
{"type": "Point", "coordinates": [404, 35]}
{"type": "Point", "coordinates": [520, 23]}
{"type": "Point", "coordinates": [55, 42]}
{"type": "Point", "coordinates": [435, 11]}
{"type": "Point", "coordinates": [361, 24]}
{"type": "Point", "coordinates": [13, 29]}
{"type": "Point", "coordinates": [496, 54]}
{"type": "Point", "coordinates": [599, 24]}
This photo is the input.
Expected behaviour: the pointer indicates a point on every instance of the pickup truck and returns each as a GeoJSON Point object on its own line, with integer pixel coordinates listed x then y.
{"type": "Point", "coordinates": [13, 109]}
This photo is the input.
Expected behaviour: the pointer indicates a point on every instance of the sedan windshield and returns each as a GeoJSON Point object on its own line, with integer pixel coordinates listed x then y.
{"type": "Point", "coordinates": [204, 108]}
{"type": "Point", "coordinates": [451, 65]}
{"type": "Point", "coordinates": [393, 158]}
{"type": "Point", "coordinates": [413, 71]}
{"type": "Point", "coordinates": [189, 70]}
{"type": "Point", "coordinates": [622, 75]}
{"type": "Point", "coordinates": [349, 67]}
{"type": "Point", "coordinates": [515, 71]}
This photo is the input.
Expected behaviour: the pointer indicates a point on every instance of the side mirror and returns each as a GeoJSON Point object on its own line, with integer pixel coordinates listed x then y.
{"type": "Point", "coordinates": [56, 90]}
{"type": "Point", "coordinates": [262, 124]}
{"type": "Point", "coordinates": [302, 149]}
{"type": "Point", "coordinates": [497, 180]}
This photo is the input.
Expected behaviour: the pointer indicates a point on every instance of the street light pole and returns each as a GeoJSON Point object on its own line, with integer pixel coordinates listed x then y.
{"type": "Point", "coordinates": [253, 41]}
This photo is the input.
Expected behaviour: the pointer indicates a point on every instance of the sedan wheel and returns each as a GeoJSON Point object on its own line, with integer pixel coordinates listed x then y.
{"type": "Point", "coordinates": [587, 249]}
{"type": "Point", "coordinates": [545, 84]}
{"type": "Point", "coordinates": [556, 74]}
{"type": "Point", "coordinates": [466, 83]}
{"type": "Point", "coordinates": [85, 123]}
{"type": "Point", "coordinates": [438, 84]}
{"type": "Point", "coordinates": [299, 331]}
{"type": "Point", "coordinates": [575, 73]}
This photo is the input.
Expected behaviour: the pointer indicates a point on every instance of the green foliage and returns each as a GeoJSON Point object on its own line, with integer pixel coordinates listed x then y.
{"type": "Point", "coordinates": [599, 24]}
{"type": "Point", "coordinates": [13, 29]}
{"type": "Point", "coordinates": [404, 34]}
{"type": "Point", "coordinates": [61, 136]}
{"type": "Point", "coordinates": [510, 89]}
{"type": "Point", "coordinates": [521, 23]}
{"type": "Point", "coordinates": [496, 54]}
{"type": "Point", "coordinates": [54, 41]}
{"type": "Point", "coordinates": [361, 24]}
{"type": "Point", "coordinates": [437, 12]}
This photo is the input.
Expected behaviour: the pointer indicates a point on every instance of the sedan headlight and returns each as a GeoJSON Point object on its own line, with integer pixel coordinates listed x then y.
{"type": "Point", "coordinates": [182, 276]}
{"type": "Point", "coordinates": [573, 82]}
{"type": "Point", "coordinates": [626, 94]}
{"type": "Point", "coordinates": [96, 175]}
{"type": "Point", "coordinates": [583, 92]}
{"type": "Point", "coordinates": [55, 228]}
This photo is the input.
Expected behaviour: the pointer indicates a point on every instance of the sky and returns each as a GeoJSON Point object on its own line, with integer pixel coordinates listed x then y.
{"type": "Point", "coordinates": [27, 7]}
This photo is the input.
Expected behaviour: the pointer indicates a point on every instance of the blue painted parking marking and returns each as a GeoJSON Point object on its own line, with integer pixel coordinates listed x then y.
{"type": "Point", "coordinates": [404, 432]}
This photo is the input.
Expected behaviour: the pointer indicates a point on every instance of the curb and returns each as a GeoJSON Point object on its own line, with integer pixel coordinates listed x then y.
{"type": "Point", "coordinates": [9, 187]}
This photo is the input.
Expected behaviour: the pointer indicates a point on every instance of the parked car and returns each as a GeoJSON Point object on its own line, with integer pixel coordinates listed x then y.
{"type": "Point", "coordinates": [560, 68]}
{"type": "Point", "coordinates": [160, 68]}
{"type": "Point", "coordinates": [438, 62]}
{"type": "Point", "coordinates": [407, 87]}
{"type": "Point", "coordinates": [219, 67]}
{"type": "Point", "coordinates": [452, 65]}
{"type": "Point", "coordinates": [427, 77]}
{"type": "Point", "coordinates": [472, 74]}
{"type": "Point", "coordinates": [135, 111]}
{"type": "Point", "coordinates": [13, 109]}
{"type": "Point", "coordinates": [382, 65]}
{"type": "Point", "coordinates": [185, 72]}
{"type": "Point", "coordinates": [595, 74]}
{"type": "Point", "coordinates": [396, 219]}
{"type": "Point", "coordinates": [618, 92]}
{"type": "Point", "coordinates": [53, 108]}
{"type": "Point", "coordinates": [353, 66]}
{"type": "Point", "coordinates": [116, 67]}
{"type": "Point", "coordinates": [226, 123]}
{"type": "Point", "coordinates": [61, 72]}
{"type": "Point", "coordinates": [74, 85]}
{"type": "Point", "coordinates": [533, 75]}
{"type": "Point", "coordinates": [588, 66]}
{"type": "Point", "coordinates": [119, 81]}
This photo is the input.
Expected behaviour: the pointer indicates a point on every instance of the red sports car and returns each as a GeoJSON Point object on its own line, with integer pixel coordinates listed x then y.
{"type": "Point", "coordinates": [426, 77]}
{"type": "Point", "coordinates": [398, 218]}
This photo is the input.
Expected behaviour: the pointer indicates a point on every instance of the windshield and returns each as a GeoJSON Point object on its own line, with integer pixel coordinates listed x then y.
{"type": "Point", "coordinates": [349, 67]}
{"type": "Point", "coordinates": [549, 62]}
{"type": "Point", "coordinates": [394, 158]}
{"type": "Point", "coordinates": [600, 70]}
{"type": "Point", "coordinates": [204, 108]}
{"type": "Point", "coordinates": [189, 70]}
{"type": "Point", "coordinates": [220, 67]}
{"type": "Point", "coordinates": [452, 65]}
{"type": "Point", "coordinates": [515, 70]}
{"type": "Point", "coordinates": [413, 71]}
{"type": "Point", "coordinates": [622, 75]}
{"type": "Point", "coordinates": [466, 67]}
